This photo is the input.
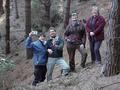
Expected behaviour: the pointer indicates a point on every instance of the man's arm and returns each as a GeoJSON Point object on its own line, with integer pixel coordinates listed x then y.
{"type": "Point", "coordinates": [67, 31]}
{"type": "Point", "coordinates": [61, 45]}
{"type": "Point", "coordinates": [49, 50]}
{"type": "Point", "coordinates": [84, 36]}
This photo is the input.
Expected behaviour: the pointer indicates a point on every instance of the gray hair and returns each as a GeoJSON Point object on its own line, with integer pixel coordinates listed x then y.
{"type": "Point", "coordinates": [96, 9]}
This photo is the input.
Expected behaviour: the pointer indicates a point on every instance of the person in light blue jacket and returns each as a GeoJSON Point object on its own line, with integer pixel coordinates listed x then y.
{"type": "Point", "coordinates": [39, 57]}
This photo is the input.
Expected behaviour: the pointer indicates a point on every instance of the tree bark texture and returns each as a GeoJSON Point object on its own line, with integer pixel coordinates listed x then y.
{"type": "Point", "coordinates": [1, 7]}
{"type": "Point", "coordinates": [67, 14]}
{"type": "Point", "coordinates": [29, 52]}
{"type": "Point", "coordinates": [16, 9]}
{"type": "Point", "coordinates": [7, 36]}
{"type": "Point", "coordinates": [47, 6]}
{"type": "Point", "coordinates": [112, 66]}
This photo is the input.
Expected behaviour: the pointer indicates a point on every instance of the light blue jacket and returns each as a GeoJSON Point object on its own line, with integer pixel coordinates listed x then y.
{"type": "Point", "coordinates": [39, 51]}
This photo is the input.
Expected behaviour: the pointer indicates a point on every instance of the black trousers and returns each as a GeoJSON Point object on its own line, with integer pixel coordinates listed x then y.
{"type": "Point", "coordinates": [39, 73]}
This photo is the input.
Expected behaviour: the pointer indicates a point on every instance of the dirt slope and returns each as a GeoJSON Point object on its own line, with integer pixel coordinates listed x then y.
{"type": "Point", "coordinates": [85, 79]}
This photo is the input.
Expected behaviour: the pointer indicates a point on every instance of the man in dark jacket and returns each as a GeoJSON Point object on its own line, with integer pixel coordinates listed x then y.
{"type": "Point", "coordinates": [55, 48]}
{"type": "Point", "coordinates": [76, 37]}
{"type": "Point", "coordinates": [95, 28]}
{"type": "Point", "coordinates": [39, 57]}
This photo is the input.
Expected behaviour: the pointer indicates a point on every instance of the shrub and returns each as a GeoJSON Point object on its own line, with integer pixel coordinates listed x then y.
{"type": "Point", "coordinates": [5, 65]}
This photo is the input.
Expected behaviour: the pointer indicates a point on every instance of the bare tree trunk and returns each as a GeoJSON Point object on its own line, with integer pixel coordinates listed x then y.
{"type": "Point", "coordinates": [67, 14]}
{"type": "Point", "coordinates": [7, 36]}
{"type": "Point", "coordinates": [47, 5]}
{"type": "Point", "coordinates": [16, 9]}
{"type": "Point", "coordinates": [29, 53]}
{"type": "Point", "coordinates": [47, 15]}
{"type": "Point", "coordinates": [46, 19]}
{"type": "Point", "coordinates": [1, 7]}
{"type": "Point", "coordinates": [112, 66]}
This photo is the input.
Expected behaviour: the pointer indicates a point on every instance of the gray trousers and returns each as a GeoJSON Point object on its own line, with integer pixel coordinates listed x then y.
{"type": "Point", "coordinates": [58, 61]}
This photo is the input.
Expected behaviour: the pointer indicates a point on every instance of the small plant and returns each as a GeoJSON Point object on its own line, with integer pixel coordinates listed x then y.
{"type": "Point", "coordinates": [5, 65]}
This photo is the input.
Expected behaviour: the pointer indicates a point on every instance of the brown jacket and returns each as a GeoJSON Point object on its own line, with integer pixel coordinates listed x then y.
{"type": "Point", "coordinates": [75, 33]}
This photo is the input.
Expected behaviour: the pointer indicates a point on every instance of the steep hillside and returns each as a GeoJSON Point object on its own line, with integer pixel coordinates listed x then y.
{"type": "Point", "coordinates": [84, 79]}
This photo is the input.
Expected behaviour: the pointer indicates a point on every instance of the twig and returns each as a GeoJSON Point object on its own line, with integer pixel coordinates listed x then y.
{"type": "Point", "coordinates": [108, 85]}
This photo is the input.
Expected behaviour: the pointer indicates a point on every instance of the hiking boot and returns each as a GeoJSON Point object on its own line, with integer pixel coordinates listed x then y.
{"type": "Point", "coordinates": [64, 72]}
{"type": "Point", "coordinates": [34, 83]}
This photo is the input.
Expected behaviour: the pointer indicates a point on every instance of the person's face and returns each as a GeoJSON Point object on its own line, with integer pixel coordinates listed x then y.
{"type": "Point", "coordinates": [94, 12]}
{"type": "Point", "coordinates": [52, 33]}
{"type": "Point", "coordinates": [42, 37]}
{"type": "Point", "coordinates": [74, 18]}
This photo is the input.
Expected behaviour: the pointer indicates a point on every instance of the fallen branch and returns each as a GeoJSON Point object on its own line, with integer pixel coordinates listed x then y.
{"type": "Point", "coordinates": [108, 85]}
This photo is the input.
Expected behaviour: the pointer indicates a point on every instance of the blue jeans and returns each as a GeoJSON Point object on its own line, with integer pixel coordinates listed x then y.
{"type": "Point", "coordinates": [95, 53]}
{"type": "Point", "coordinates": [59, 61]}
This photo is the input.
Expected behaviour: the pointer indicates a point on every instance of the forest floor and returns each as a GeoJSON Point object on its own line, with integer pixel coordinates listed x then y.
{"type": "Point", "coordinates": [89, 78]}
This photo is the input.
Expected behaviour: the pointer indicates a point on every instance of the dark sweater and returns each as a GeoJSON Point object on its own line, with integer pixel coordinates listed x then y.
{"type": "Point", "coordinates": [75, 33]}
{"type": "Point", "coordinates": [57, 48]}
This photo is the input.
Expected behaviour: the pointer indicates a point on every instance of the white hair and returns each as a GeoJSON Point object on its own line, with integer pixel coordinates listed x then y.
{"type": "Point", "coordinates": [95, 8]}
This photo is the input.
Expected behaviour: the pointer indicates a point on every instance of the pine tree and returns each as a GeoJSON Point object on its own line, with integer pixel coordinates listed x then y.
{"type": "Point", "coordinates": [112, 66]}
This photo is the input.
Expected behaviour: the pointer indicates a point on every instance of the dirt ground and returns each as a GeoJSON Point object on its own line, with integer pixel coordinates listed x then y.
{"type": "Point", "coordinates": [89, 78]}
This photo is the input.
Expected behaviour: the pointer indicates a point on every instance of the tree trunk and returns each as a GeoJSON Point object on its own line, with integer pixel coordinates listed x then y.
{"type": "Point", "coordinates": [46, 19]}
{"type": "Point", "coordinates": [7, 36]}
{"type": "Point", "coordinates": [47, 5]}
{"type": "Point", "coordinates": [1, 7]}
{"type": "Point", "coordinates": [16, 9]}
{"type": "Point", "coordinates": [67, 14]}
{"type": "Point", "coordinates": [112, 66]}
{"type": "Point", "coordinates": [29, 53]}
{"type": "Point", "coordinates": [47, 15]}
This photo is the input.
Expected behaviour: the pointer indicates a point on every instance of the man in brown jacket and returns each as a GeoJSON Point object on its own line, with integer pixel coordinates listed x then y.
{"type": "Point", "coordinates": [75, 37]}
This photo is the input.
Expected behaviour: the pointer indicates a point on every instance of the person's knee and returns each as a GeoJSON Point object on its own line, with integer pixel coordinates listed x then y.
{"type": "Point", "coordinates": [66, 67]}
